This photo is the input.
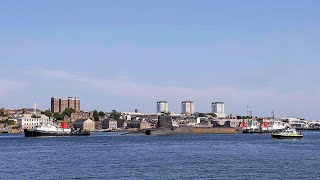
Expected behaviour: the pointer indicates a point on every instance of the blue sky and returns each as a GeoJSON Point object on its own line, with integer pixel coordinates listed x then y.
{"type": "Point", "coordinates": [129, 54]}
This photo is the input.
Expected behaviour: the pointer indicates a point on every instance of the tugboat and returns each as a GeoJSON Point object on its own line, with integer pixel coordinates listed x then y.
{"type": "Point", "coordinates": [47, 130]}
{"type": "Point", "coordinates": [288, 133]}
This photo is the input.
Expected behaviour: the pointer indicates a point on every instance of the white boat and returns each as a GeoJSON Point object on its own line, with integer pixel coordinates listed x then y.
{"type": "Point", "coordinates": [265, 126]}
{"type": "Point", "coordinates": [288, 133]}
{"type": "Point", "coordinates": [277, 125]}
{"type": "Point", "coordinates": [51, 130]}
{"type": "Point", "coordinates": [254, 127]}
{"type": "Point", "coordinates": [47, 130]}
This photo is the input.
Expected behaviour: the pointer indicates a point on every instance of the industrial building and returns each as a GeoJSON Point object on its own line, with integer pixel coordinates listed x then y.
{"type": "Point", "coordinates": [187, 107]}
{"type": "Point", "coordinates": [162, 107]}
{"type": "Point", "coordinates": [58, 105]}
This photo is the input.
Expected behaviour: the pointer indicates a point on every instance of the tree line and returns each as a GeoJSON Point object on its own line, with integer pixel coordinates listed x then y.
{"type": "Point", "coordinates": [97, 115]}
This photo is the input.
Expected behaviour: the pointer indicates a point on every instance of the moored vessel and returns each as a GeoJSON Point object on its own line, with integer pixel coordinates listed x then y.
{"type": "Point", "coordinates": [264, 126]}
{"type": "Point", "coordinates": [51, 130]}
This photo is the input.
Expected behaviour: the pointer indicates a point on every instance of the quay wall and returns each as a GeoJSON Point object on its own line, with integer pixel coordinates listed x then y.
{"type": "Point", "coordinates": [170, 131]}
{"type": "Point", "coordinates": [200, 130]}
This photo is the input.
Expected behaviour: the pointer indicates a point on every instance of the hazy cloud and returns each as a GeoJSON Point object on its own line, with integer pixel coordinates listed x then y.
{"type": "Point", "coordinates": [7, 86]}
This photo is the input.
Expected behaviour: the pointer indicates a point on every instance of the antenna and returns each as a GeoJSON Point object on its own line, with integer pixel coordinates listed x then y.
{"type": "Point", "coordinates": [247, 110]}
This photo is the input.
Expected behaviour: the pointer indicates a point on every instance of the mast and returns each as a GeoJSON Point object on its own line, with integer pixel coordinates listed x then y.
{"type": "Point", "coordinates": [247, 110]}
{"type": "Point", "coordinates": [273, 114]}
{"type": "Point", "coordinates": [35, 108]}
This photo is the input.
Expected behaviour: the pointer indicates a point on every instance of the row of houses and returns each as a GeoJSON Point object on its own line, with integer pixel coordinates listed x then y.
{"type": "Point", "coordinates": [110, 124]}
{"type": "Point", "coordinates": [30, 121]}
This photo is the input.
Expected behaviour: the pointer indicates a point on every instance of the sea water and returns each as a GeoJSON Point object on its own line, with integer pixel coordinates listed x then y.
{"type": "Point", "coordinates": [117, 156]}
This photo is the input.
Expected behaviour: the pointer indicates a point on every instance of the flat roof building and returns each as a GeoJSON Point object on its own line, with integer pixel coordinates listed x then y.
{"type": "Point", "coordinates": [162, 107]}
{"type": "Point", "coordinates": [218, 109]}
{"type": "Point", "coordinates": [187, 107]}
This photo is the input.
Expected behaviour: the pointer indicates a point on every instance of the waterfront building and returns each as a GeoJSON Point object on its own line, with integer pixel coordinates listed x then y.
{"type": "Point", "coordinates": [190, 122]}
{"type": "Point", "coordinates": [109, 124]}
{"type": "Point", "coordinates": [138, 124]}
{"type": "Point", "coordinates": [187, 107]}
{"type": "Point", "coordinates": [84, 124]}
{"type": "Point", "coordinates": [30, 121]}
{"type": "Point", "coordinates": [218, 109]}
{"type": "Point", "coordinates": [145, 125]}
{"type": "Point", "coordinates": [296, 123]}
{"type": "Point", "coordinates": [58, 105]}
{"type": "Point", "coordinates": [166, 122]}
{"type": "Point", "coordinates": [134, 124]}
{"type": "Point", "coordinates": [162, 107]}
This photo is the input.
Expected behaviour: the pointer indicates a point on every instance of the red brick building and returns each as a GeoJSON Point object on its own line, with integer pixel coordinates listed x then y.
{"type": "Point", "coordinates": [58, 105]}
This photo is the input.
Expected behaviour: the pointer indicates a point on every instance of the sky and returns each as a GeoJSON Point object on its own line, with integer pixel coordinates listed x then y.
{"type": "Point", "coordinates": [125, 54]}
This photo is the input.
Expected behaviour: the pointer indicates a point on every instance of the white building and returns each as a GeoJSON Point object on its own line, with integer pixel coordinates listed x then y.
{"type": "Point", "coordinates": [109, 124]}
{"type": "Point", "coordinates": [187, 107]}
{"type": "Point", "coordinates": [162, 106]}
{"type": "Point", "coordinates": [113, 125]}
{"type": "Point", "coordinates": [218, 109]}
{"type": "Point", "coordinates": [30, 121]}
{"type": "Point", "coordinates": [297, 123]}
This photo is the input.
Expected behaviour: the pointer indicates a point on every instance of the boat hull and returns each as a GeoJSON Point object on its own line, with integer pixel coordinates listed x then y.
{"type": "Point", "coordinates": [80, 133]}
{"type": "Point", "coordinates": [280, 136]}
{"type": "Point", "coordinates": [35, 133]}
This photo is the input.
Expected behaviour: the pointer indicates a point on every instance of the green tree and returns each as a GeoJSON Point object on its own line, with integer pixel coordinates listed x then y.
{"type": "Point", "coordinates": [246, 117]}
{"type": "Point", "coordinates": [115, 115]}
{"type": "Point", "coordinates": [57, 116]}
{"type": "Point", "coordinates": [102, 114]}
{"type": "Point", "coordinates": [68, 112]}
{"type": "Point", "coordinates": [213, 114]}
{"type": "Point", "coordinates": [9, 122]}
{"type": "Point", "coordinates": [95, 115]}
{"type": "Point", "coordinates": [48, 113]}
